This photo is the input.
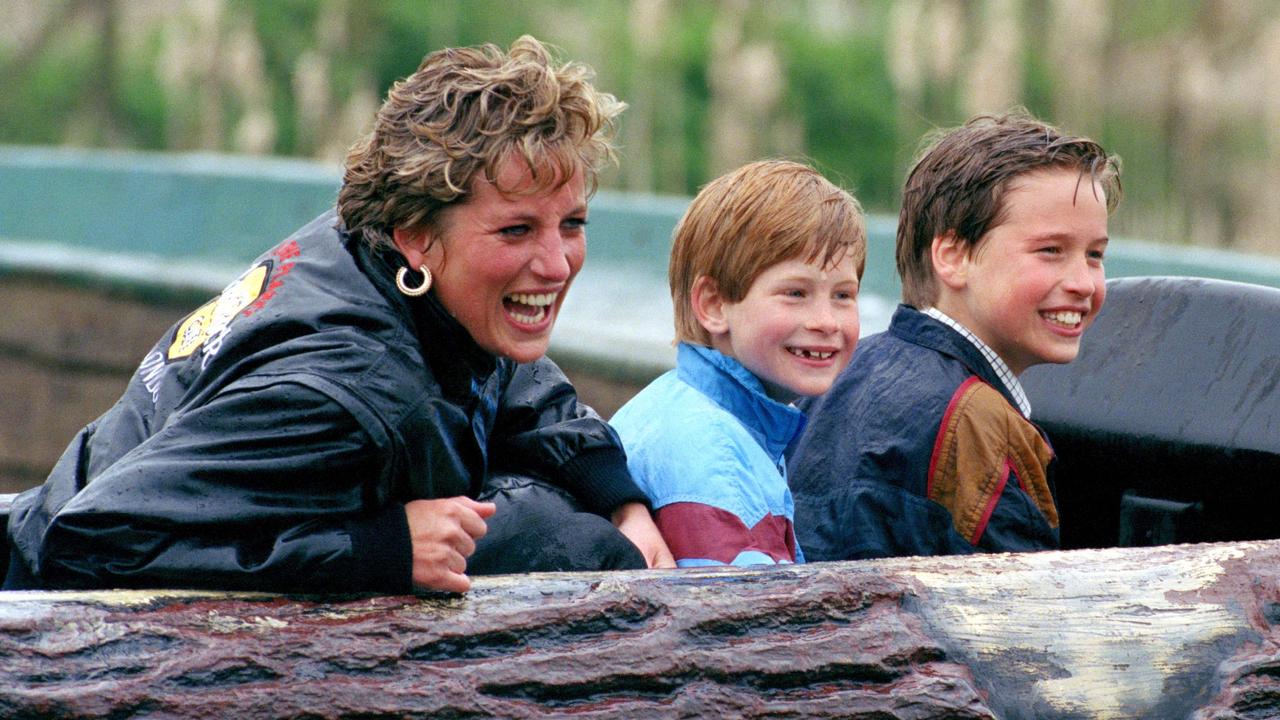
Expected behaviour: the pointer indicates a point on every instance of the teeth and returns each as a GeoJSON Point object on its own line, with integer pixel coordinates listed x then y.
{"type": "Point", "coordinates": [1069, 318]}
{"type": "Point", "coordinates": [527, 299]}
{"type": "Point", "coordinates": [810, 354]}
{"type": "Point", "coordinates": [533, 319]}
{"type": "Point", "coordinates": [539, 304]}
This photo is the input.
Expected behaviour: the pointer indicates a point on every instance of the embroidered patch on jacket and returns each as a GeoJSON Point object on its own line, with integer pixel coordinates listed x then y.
{"type": "Point", "coordinates": [207, 326]}
{"type": "Point", "coordinates": [212, 318]}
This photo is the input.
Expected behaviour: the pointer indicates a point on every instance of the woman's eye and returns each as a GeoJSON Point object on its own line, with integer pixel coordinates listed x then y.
{"type": "Point", "coordinates": [515, 231]}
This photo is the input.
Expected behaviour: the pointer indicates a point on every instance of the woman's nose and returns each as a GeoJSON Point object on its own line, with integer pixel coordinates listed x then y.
{"type": "Point", "coordinates": [551, 261]}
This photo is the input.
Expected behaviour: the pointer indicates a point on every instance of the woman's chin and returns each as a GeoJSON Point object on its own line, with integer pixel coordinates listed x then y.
{"type": "Point", "coordinates": [521, 346]}
{"type": "Point", "coordinates": [526, 354]}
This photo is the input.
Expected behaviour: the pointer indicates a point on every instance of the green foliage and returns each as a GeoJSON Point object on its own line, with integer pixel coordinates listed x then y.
{"type": "Point", "coordinates": [858, 125]}
{"type": "Point", "coordinates": [848, 102]}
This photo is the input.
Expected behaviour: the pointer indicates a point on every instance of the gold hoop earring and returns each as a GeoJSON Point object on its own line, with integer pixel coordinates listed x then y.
{"type": "Point", "coordinates": [413, 291]}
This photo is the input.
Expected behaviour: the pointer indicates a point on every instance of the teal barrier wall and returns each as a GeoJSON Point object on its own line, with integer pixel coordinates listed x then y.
{"type": "Point", "coordinates": [192, 221]}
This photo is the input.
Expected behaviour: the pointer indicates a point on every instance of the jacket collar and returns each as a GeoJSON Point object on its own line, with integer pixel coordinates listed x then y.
{"type": "Point", "coordinates": [734, 388]}
{"type": "Point", "coordinates": [456, 361]}
{"type": "Point", "coordinates": [915, 327]}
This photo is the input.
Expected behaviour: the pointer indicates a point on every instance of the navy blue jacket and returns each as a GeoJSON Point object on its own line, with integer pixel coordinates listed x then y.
{"type": "Point", "coordinates": [271, 438]}
{"type": "Point", "coordinates": [918, 449]}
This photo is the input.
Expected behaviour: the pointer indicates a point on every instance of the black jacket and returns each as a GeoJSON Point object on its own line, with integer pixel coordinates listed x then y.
{"type": "Point", "coordinates": [270, 439]}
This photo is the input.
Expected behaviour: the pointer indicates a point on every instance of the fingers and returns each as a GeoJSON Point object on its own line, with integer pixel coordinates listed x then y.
{"type": "Point", "coordinates": [470, 516]}
{"type": "Point", "coordinates": [443, 533]}
{"type": "Point", "coordinates": [439, 567]}
{"type": "Point", "coordinates": [483, 509]}
{"type": "Point", "coordinates": [444, 582]}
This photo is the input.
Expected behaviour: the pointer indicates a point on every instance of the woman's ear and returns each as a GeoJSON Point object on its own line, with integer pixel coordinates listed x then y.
{"type": "Point", "coordinates": [413, 244]}
{"type": "Point", "coordinates": [950, 259]}
{"type": "Point", "coordinates": [708, 306]}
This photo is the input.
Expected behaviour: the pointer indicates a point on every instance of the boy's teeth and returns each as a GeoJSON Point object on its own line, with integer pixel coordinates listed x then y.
{"type": "Point", "coordinates": [1069, 318]}
{"type": "Point", "coordinates": [810, 354]}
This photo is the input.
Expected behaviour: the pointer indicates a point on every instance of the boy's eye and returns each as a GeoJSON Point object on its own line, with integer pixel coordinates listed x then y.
{"type": "Point", "coordinates": [845, 295]}
{"type": "Point", "coordinates": [793, 292]}
{"type": "Point", "coordinates": [1097, 255]}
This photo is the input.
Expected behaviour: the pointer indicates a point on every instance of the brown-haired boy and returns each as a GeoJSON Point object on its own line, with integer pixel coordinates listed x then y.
{"type": "Point", "coordinates": [924, 445]}
{"type": "Point", "coordinates": [764, 277]}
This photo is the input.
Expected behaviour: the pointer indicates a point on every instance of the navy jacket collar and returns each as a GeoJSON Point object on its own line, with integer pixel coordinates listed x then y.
{"type": "Point", "coordinates": [913, 326]}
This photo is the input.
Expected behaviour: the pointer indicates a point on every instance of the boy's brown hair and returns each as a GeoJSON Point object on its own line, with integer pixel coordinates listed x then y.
{"type": "Point", "coordinates": [752, 218]}
{"type": "Point", "coordinates": [959, 181]}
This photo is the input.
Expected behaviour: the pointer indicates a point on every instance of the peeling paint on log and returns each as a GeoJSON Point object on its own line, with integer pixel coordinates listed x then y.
{"type": "Point", "coordinates": [1169, 632]}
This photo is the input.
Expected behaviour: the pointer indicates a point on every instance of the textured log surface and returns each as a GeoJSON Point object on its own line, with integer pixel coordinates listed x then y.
{"type": "Point", "coordinates": [1171, 632]}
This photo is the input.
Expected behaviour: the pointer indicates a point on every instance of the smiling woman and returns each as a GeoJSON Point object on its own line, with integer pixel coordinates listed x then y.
{"type": "Point", "coordinates": [332, 421]}
{"type": "Point", "coordinates": [503, 261]}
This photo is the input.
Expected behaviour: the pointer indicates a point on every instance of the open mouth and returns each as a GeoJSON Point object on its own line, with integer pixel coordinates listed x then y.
{"type": "Point", "coordinates": [1064, 318]}
{"type": "Point", "coordinates": [810, 354]}
{"type": "Point", "coordinates": [527, 308]}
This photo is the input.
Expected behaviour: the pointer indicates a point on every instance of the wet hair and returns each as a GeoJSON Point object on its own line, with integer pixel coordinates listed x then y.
{"type": "Point", "coordinates": [461, 115]}
{"type": "Point", "coordinates": [752, 218]}
{"type": "Point", "coordinates": [960, 178]}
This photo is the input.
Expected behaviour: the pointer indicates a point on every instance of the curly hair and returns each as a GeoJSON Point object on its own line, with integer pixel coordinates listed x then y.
{"type": "Point", "coordinates": [750, 219]}
{"type": "Point", "coordinates": [959, 180]}
{"type": "Point", "coordinates": [462, 113]}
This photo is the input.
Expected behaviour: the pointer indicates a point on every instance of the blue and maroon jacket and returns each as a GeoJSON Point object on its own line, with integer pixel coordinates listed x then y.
{"type": "Point", "coordinates": [706, 444]}
{"type": "Point", "coordinates": [918, 449]}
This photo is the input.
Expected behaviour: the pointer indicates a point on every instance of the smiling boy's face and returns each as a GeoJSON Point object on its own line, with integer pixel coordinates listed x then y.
{"type": "Point", "coordinates": [796, 328]}
{"type": "Point", "coordinates": [1033, 284]}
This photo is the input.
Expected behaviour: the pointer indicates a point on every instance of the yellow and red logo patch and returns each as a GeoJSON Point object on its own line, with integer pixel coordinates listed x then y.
{"type": "Point", "coordinates": [249, 293]}
{"type": "Point", "coordinates": [212, 317]}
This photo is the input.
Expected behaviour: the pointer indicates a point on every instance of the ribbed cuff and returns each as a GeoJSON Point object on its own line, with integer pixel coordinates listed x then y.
{"type": "Point", "coordinates": [382, 553]}
{"type": "Point", "coordinates": [600, 480]}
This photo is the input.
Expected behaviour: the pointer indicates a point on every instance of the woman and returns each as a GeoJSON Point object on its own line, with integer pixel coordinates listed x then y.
{"type": "Point", "coordinates": [324, 424]}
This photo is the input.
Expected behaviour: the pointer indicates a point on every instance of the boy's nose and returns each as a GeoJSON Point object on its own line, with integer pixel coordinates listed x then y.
{"type": "Point", "coordinates": [823, 318]}
{"type": "Point", "coordinates": [1083, 278]}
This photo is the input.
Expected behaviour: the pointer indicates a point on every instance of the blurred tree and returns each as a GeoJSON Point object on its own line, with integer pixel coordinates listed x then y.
{"type": "Point", "coordinates": [1187, 93]}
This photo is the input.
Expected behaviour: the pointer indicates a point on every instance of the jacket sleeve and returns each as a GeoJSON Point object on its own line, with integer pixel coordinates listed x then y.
{"type": "Point", "coordinates": [269, 487]}
{"type": "Point", "coordinates": [543, 429]}
{"type": "Point", "coordinates": [1016, 524]}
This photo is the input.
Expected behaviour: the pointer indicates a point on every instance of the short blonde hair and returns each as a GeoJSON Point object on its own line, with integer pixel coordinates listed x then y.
{"type": "Point", "coordinates": [752, 218]}
{"type": "Point", "coordinates": [464, 111]}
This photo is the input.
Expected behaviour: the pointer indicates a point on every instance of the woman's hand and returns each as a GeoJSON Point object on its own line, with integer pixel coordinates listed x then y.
{"type": "Point", "coordinates": [444, 534]}
{"type": "Point", "coordinates": [633, 520]}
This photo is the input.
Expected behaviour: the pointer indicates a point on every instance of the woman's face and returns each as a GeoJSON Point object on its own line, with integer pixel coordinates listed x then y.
{"type": "Point", "coordinates": [502, 263]}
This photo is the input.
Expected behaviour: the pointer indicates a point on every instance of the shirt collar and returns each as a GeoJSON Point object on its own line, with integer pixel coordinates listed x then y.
{"type": "Point", "coordinates": [1006, 375]}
